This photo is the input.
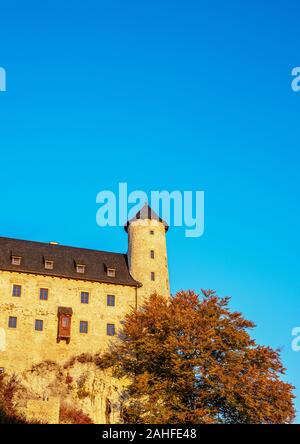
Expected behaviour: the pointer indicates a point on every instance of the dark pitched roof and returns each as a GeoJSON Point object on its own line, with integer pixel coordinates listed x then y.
{"type": "Point", "coordinates": [34, 255]}
{"type": "Point", "coordinates": [144, 213]}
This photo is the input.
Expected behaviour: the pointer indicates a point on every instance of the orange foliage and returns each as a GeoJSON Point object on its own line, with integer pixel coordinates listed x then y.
{"type": "Point", "coordinates": [192, 360]}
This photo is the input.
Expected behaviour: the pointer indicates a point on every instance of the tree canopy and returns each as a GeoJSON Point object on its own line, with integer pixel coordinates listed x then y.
{"type": "Point", "coordinates": [191, 359]}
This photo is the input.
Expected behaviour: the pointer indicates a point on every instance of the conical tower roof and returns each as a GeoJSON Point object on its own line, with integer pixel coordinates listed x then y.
{"type": "Point", "coordinates": [146, 213]}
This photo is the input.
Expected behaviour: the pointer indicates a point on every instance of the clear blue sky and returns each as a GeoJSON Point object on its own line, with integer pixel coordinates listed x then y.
{"type": "Point", "coordinates": [187, 95]}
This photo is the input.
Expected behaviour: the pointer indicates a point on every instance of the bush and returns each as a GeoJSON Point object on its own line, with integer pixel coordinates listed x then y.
{"type": "Point", "coordinates": [8, 389]}
{"type": "Point", "coordinates": [70, 415]}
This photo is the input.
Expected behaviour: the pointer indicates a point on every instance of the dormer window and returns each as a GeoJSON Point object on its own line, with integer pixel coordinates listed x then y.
{"type": "Point", "coordinates": [49, 265]}
{"type": "Point", "coordinates": [111, 272]}
{"type": "Point", "coordinates": [80, 268]}
{"type": "Point", "coordinates": [16, 260]}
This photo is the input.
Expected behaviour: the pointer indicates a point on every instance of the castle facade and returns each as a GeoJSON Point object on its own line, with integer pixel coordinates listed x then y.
{"type": "Point", "coordinates": [57, 302]}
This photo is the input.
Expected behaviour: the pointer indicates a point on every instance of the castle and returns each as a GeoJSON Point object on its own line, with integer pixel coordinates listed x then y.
{"type": "Point", "coordinates": [57, 302]}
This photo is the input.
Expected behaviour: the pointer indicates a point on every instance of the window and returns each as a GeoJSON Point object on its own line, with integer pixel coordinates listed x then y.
{"type": "Point", "coordinates": [64, 324]}
{"type": "Point", "coordinates": [64, 328]}
{"type": "Point", "coordinates": [65, 321]}
{"type": "Point", "coordinates": [43, 294]}
{"type": "Point", "coordinates": [84, 297]}
{"type": "Point", "coordinates": [2, 370]}
{"type": "Point", "coordinates": [110, 329]}
{"type": "Point", "coordinates": [39, 325]}
{"type": "Point", "coordinates": [80, 268]}
{"type": "Point", "coordinates": [17, 289]}
{"type": "Point", "coordinates": [152, 276]}
{"type": "Point", "coordinates": [152, 254]}
{"type": "Point", "coordinates": [83, 328]}
{"type": "Point", "coordinates": [111, 301]}
{"type": "Point", "coordinates": [111, 272]}
{"type": "Point", "coordinates": [49, 265]}
{"type": "Point", "coordinates": [16, 260]}
{"type": "Point", "coordinates": [152, 232]}
{"type": "Point", "coordinates": [12, 322]}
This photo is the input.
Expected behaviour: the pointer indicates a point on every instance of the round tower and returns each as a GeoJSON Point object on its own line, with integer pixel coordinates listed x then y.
{"type": "Point", "coordinates": [147, 253]}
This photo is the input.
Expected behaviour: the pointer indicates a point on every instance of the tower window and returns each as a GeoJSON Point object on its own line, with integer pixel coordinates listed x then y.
{"type": "Point", "coordinates": [152, 232]}
{"type": "Point", "coordinates": [85, 297]}
{"type": "Point", "coordinates": [152, 254]}
{"type": "Point", "coordinates": [111, 300]}
{"type": "Point", "coordinates": [17, 290]}
{"type": "Point", "coordinates": [152, 275]}
{"type": "Point", "coordinates": [49, 265]}
{"type": "Point", "coordinates": [39, 325]}
{"type": "Point", "coordinates": [12, 322]}
{"type": "Point", "coordinates": [111, 272]}
{"type": "Point", "coordinates": [16, 260]}
{"type": "Point", "coordinates": [43, 294]}
{"type": "Point", "coordinates": [110, 330]}
{"type": "Point", "coordinates": [83, 327]}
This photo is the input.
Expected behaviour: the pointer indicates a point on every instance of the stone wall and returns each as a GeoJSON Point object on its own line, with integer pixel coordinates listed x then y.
{"type": "Point", "coordinates": [23, 346]}
{"type": "Point", "coordinates": [77, 385]}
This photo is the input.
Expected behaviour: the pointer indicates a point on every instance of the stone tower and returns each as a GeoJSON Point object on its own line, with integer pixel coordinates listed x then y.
{"type": "Point", "coordinates": [147, 253]}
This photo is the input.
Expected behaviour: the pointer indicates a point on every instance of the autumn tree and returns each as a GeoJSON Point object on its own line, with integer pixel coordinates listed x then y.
{"type": "Point", "coordinates": [10, 388]}
{"type": "Point", "coordinates": [192, 360]}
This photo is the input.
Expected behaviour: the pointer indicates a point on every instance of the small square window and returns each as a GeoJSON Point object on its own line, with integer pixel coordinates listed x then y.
{"type": "Point", "coordinates": [80, 268]}
{"type": "Point", "coordinates": [17, 290]}
{"type": "Point", "coordinates": [83, 328]}
{"type": "Point", "coordinates": [152, 254]}
{"type": "Point", "coordinates": [39, 325]}
{"type": "Point", "coordinates": [43, 294]}
{"type": "Point", "coordinates": [152, 232]}
{"type": "Point", "coordinates": [152, 276]}
{"type": "Point", "coordinates": [16, 260]}
{"type": "Point", "coordinates": [49, 265]}
{"type": "Point", "coordinates": [111, 300]}
{"type": "Point", "coordinates": [110, 330]}
{"type": "Point", "coordinates": [111, 272]}
{"type": "Point", "coordinates": [12, 322]}
{"type": "Point", "coordinates": [84, 297]}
